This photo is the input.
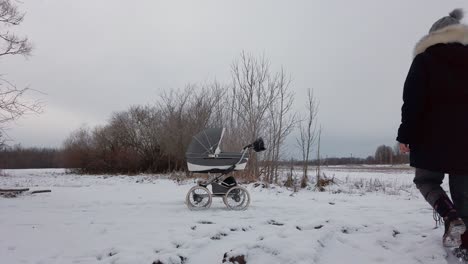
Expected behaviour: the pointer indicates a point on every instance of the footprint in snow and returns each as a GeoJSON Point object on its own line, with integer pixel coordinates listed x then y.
{"type": "Point", "coordinates": [244, 229]}
{"type": "Point", "coordinates": [183, 260]}
{"type": "Point", "coordinates": [203, 222]}
{"type": "Point", "coordinates": [110, 253]}
{"type": "Point", "coordinates": [177, 245]}
{"type": "Point", "coordinates": [273, 222]}
{"type": "Point", "coordinates": [348, 230]}
{"type": "Point", "coordinates": [218, 236]}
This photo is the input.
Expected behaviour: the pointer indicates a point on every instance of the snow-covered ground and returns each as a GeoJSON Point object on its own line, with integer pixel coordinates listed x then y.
{"type": "Point", "coordinates": [370, 216]}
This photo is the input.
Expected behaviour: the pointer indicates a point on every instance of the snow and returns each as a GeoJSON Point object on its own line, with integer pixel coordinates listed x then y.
{"type": "Point", "coordinates": [370, 216]}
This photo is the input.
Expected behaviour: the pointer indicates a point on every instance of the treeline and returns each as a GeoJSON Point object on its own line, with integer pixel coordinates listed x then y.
{"type": "Point", "coordinates": [384, 155]}
{"type": "Point", "coordinates": [388, 155]}
{"type": "Point", "coordinates": [17, 157]}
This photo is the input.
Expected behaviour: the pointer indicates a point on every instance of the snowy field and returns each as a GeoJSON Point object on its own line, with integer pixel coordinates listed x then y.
{"type": "Point", "coordinates": [372, 215]}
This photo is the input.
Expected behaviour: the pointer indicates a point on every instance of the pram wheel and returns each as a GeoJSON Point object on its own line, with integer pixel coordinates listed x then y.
{"type": "Point", "coordinates": [237, 198]}
{"type": "Point", "coordinates": [198, 198]}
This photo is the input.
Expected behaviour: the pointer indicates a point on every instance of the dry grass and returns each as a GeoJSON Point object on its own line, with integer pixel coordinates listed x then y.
{"type": "Point", "coordinates": [324, 181]}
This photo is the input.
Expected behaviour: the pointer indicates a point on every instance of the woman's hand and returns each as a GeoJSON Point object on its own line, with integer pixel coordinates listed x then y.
{"type": "Point", "coordinates": [404, 148]}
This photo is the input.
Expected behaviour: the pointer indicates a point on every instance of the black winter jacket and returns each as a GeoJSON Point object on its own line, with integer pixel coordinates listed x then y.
{"type": "Point", "coordinates": [435, 110]}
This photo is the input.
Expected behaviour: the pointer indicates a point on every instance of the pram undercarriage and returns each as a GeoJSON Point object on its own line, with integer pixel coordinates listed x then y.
{"type": "Point", "coordinates": [234, 196]}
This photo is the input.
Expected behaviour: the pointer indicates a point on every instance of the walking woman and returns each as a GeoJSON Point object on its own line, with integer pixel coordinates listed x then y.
{"type": "Point", "coordinates": [434, 125]}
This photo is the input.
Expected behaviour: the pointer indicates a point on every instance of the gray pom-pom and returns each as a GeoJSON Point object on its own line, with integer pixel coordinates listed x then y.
{"type": "Point", "coordinates": [457, 14]}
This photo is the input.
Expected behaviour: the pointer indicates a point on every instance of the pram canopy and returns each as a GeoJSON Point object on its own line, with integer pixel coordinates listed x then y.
{"type": "Point", "coordinates": [204, 153]}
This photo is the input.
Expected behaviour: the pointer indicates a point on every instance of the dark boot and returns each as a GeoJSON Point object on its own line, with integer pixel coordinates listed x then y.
{"type": "Point", "coordinates": [453, 232]}
{"type": "Point", "coordinates": [454, 226]}
{"type": "Point", "coordinates": [462, 252]}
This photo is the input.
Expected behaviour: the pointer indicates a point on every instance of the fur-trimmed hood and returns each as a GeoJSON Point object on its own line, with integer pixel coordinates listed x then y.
{"type": "Point", "coordinates": [450, 34]}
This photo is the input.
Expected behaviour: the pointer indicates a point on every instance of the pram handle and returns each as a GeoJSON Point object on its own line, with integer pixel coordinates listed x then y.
{"type": "Point", "coordinates": [258, 145]}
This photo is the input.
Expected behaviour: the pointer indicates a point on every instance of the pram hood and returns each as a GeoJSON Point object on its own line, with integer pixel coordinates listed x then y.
{"type": "Point", "coordinates": [206, 142]}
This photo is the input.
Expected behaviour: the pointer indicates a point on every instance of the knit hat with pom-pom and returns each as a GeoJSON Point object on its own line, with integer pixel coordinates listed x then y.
{"type": "Point", "coordinates": [454, 18]}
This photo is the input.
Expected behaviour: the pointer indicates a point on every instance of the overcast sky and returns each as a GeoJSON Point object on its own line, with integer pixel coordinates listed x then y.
{"type": "Point", "coordinates": [94, 57]}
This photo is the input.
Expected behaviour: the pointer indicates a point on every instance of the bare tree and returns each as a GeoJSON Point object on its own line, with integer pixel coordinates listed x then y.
{"type": "Point", "coordinates": [384, 155]}
{"type": "Point", "coordinates": [307, 134]}
{"type": "Point", "coordinates": [185, 113]}
{"type": "Point", "coordinates": [12, 44]}
{"type": "Point", "coordinates": [12, 99]}
{"type": "Point", "coordinates": [261, 106]}
{"type": "Point", "coordinates": [318, 168]}
{"type": "Point", "coordinates": [255, 91]}
{"type": "Point", "coordinates": [281, 123]}
{"type": "Point", "coordinates": [78, 150]}
{"type": "Point", "coordinates": [13, 104]}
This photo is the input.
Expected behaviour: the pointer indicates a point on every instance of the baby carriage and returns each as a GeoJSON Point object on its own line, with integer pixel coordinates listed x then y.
{"type": "Point", "coordinates": [205, 156]}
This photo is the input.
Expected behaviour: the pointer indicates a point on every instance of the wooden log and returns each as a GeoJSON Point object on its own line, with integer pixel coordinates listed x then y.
{"type": "Point", "coordinates": [41, 191]}
{"type": "Point", "coordinates": [14, 190]}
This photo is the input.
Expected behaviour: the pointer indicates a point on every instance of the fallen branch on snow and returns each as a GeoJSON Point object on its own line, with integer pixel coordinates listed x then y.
{"type": "Point", "coordinates": [12, 193]}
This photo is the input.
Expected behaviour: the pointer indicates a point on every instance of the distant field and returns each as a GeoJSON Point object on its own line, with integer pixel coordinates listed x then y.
{"type": "Point", "coordinates": [370, 168]}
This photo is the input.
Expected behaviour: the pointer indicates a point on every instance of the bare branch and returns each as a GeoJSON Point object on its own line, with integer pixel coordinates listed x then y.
{"type": "Point", "coordinates": [13, 104]}
{"type": "Point", "coordinates": [308, 133]}
{"type": "Point", "coordinates": [9, 13]}
{"type": "Point", "coordinates": [13, 45]}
